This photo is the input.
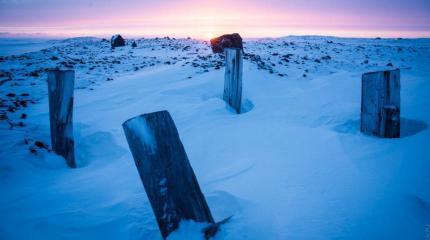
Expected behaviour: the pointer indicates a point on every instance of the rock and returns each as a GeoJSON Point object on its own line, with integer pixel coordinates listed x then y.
{"type": "Point", "coordinates": [134, 44]}
{"type": "Point", "coordinates": [3, 116]}
{"type": "Point", "coordinates": [40, 144]}
{"type": "Point", "coordinates": [117, 41]}
{"type": "Point", "coordinates": [226, 41]}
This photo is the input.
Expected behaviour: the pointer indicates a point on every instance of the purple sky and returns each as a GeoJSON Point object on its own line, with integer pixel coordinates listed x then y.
{"type": "Point", "coordinates": [199, 18]}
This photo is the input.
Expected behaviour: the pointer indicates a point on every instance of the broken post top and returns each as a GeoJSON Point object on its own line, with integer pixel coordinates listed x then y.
{"type": "Point", "coordinates": [57, 70]}
{"type": "Point", "coordinates": [226, 41]}
{"type": "Point", "coordinates": [394, 71]}
{"type": "Point", "coordinates": [64, 78]}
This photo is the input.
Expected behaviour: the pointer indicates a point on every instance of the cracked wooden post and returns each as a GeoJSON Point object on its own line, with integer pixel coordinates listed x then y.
{"type": "Point", "coordinates": [165, 171]}
{"type": "Point", "coordinates": [60, 89]}
{"type": "Point", "coordinates": [233, 78]}
{"type": "Point", "coordinates": [380, 104]}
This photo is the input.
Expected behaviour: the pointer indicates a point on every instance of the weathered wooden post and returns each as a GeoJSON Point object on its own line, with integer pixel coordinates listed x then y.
{"type": "Point", "coordinates": [165, 171]}
{"type": "Point", "coordinates": [380, 104]}
{"type": "Point", "coordinates": [60, 89]}
{"type": "Point", "coordinates": [233, 78]}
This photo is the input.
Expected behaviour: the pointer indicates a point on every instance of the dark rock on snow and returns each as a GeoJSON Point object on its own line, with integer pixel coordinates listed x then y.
{"type": "Point", "coordinates": [117, 41]}
{"type": "Point", "coordinates": [134, 45]}
{"type": "Point", "coordinates": [226, 41]}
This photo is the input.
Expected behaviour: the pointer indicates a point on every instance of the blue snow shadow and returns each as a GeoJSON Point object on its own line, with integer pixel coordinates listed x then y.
{"type": "Point", "coordinates": [97, 147]}
{"type": "Point", "coordinates": [246, 106]}
{"type": "Point", "coordinates": [408, 127]}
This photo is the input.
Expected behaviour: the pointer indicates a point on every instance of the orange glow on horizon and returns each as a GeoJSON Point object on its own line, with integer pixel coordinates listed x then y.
{"type": "Point", "coordinates": [209, 19]}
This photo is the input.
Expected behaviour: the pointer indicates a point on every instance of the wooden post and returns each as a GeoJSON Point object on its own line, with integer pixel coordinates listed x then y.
{"type": "Point", "coordinates": [60, 89]}
{"type": "Point", "coordinates": [165, 171]}
{"type": "Point", "coordinates": [380, 104]}
{"type": "Point", "coordinates": [233, 78]}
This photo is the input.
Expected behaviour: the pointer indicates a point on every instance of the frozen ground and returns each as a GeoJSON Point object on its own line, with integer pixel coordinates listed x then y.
{"type": "Point", "coordinates": [14, 46]}
{"type": "Point", "coordinates": [294, 166]}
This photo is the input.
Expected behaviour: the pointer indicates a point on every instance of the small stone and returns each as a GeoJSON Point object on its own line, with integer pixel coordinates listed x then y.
{"type": "Point", "coordinates": [40, 144]}
{"type": "Point", "coordinates": [33, 150]}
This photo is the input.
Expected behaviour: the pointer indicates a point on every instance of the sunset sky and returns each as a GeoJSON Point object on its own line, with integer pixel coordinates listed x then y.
{"type": "Point", "coordinates": [203, 19]}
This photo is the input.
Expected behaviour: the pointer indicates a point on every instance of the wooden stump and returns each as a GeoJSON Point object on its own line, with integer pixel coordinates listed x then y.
{"type": "Point", "coordinates": [60, 89]}
{"type": "Point", "coordinates": [380, 104]}
{"type": "Point", "coordinates": [233, 78]}
{"type": "Point", "coordinates": [165, 171]}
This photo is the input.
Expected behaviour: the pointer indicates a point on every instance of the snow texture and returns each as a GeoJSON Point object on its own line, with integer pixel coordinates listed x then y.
{"type": "Point", "coordinates": [293, 166]}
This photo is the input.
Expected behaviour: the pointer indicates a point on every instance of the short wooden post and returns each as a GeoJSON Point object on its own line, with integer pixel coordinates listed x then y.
{"type": "Point", "coordinates": [233, 78]}
{"type": "Point", "coordinates": [60, 89]}
{"type": "Point", "coordinates": [380, 104]}
{"type": "Point", "coordinates": [165, 171]}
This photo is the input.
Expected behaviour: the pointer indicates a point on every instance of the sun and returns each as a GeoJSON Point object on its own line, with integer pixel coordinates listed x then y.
{"type": "Point", "coordinates": [209, 36]}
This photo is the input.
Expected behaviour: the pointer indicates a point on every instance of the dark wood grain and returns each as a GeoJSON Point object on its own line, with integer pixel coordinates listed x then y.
{"type": "Point", "coordinates": [233, 78]}
{"type": "Point", "coordinates": [380, 104]}
{"type": "Point", "coordinates": [165, 171]}
{"type": "Point", "coordinates": [60, 89]}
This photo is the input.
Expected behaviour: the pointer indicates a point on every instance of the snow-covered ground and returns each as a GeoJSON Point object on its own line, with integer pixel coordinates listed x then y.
{"type": "Point", "coordinates": [14, 46]}
{"type": "Point", "coordinates": [294, 166]}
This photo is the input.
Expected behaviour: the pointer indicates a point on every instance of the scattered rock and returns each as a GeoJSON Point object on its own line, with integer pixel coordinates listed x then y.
{"type": "Point", "coordinates": [40, 144]}
{"type": "Point", "coordinates": [32, 150]}
{"type": "Point", "coordinates": [117, 41]}
{"type": "Point", "coordinates": [34, 74]}
{"type": "Point", "coordinates": [3, 116]}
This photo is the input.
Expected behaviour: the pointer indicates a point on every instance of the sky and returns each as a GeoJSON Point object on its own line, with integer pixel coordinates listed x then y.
{"type": "Point", "coordinates": [204, 19]}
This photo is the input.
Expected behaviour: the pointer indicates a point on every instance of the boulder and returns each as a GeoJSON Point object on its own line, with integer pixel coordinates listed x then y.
{"type": "Point", "coordinates": [134, 44]}
{"type": "Point", "coordinates": [117, 41]}
{"type": "Point", "coordinates": [226, 41]}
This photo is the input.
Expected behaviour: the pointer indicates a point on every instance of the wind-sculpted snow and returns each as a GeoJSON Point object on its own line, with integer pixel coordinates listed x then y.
{"type": "Point", "coordinates": [294, 165]}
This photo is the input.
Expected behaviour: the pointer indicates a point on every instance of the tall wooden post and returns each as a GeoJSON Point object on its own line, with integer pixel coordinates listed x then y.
{"type": "Point", "coordinates": [165, 171]}
{"type": "Point", "coordinates": [233, 78]}
{"type": "Point", "coordinates": [60, 89]}
{"type": "Point", "coordinates": [380, 104]}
